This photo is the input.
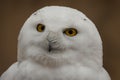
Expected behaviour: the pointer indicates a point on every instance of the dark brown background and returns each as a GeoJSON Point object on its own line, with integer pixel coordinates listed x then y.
{"type": "Point", "coordinates": [104, 13]}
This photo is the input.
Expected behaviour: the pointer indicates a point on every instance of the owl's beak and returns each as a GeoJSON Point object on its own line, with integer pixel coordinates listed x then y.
{"type": "Point", "coordinates": [52, 42]}
{"type": "Point", "coordinates": [52, 46]}
{"type": "Point", "coordinates": [49, 48]}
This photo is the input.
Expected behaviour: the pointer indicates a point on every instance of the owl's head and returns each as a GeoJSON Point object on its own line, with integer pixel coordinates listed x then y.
{"type": "Point", "coordinates": [57, 35]}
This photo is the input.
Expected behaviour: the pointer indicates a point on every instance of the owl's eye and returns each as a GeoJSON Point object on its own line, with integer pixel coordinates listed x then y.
{"type": "Point", "coordinates": [70, 32]}
{"type": "Point", "coordinates": [40, 27]}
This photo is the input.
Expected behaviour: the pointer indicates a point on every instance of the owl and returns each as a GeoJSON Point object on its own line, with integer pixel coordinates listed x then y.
{"type": "Point", "coordinates": [58, 43]}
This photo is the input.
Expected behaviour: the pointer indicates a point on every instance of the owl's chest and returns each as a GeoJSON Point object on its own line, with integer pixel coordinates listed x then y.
{"type": "Point", "coordinates": [35, 72]}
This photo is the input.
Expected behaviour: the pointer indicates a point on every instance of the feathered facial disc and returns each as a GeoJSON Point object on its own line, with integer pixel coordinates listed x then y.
{"type": "Point", "coordinates": [59, 32]}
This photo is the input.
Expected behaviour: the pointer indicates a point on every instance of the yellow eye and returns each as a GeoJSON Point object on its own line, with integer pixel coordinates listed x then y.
{"type": "Point", "coordinates": [70, 32]}
{"type": "Point", "coordinates": [40, 27]}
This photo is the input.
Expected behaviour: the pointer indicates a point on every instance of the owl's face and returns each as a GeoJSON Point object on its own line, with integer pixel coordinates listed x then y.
{"type": "Point", "coordinates": [59, 35]}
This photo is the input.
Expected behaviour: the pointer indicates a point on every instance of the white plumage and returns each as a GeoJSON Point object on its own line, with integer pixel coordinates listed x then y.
{"type": "Point", "coordinates": [58, 43]}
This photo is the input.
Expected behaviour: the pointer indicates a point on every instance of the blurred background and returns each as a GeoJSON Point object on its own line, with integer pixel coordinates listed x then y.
{"type": "Point", "coordinates": [104, 13]}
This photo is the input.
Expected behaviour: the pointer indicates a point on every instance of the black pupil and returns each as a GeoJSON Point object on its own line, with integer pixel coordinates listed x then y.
{"type": "Point", "coordinates": [70, 31]}
{"type": "Point", "coordinates": [43, 27]}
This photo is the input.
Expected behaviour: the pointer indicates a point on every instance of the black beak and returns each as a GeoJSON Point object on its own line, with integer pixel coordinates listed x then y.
{"type": "Point", "coordinates": [49, 48]}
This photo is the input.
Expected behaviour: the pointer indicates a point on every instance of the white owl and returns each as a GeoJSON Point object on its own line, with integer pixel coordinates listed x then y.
{"type": "Point", "coordinates": [58, 43]}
